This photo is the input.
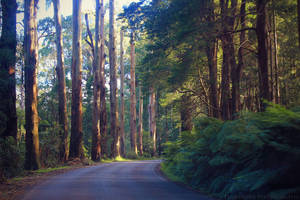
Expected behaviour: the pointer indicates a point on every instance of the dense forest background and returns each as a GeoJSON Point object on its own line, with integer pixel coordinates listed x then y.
{"type": "Point", "coordinates": [213, 86]}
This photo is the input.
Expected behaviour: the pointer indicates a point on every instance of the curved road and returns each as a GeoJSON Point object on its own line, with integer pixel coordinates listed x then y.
{"type": "Point", "coordinates": [113, 181]}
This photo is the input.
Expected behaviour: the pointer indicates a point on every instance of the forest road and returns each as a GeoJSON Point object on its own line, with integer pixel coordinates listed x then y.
{"type": "Point", "coordinates": [137, 180]}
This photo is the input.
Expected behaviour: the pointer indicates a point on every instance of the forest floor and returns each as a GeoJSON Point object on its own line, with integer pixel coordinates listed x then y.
{"type": "Point", "coordinates": [16, 187]}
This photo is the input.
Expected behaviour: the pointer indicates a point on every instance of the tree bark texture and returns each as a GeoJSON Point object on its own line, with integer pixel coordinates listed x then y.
{"type": "Point", "coordinates": [236, 73]}
{"type": "Point", "coordinates": [261, 31]}
{"type": "Point", "coordinates": [76, 145]}
{"type": "Point", "coordinates": [32, 156]}
{"type": "Point", "coordinates": [152, 118]}
{"type": "Point", "coordinates": [122, 110]}
{"type": "Point", "coordinates": [96, 135]}
{"type": "Point", "coordinates": [114, 125]}
{"type": "Point", "coordinates": [140, 126]}
{"type": "Point", "coordinates": [276, 73]}
{"type": "Point", "coordinates": [211, 53]}
{"type": "Point", "coordinates": [60, 71]}
{"type": "Point", "coordinates": [229, 62]}
{"type": "Point", "coordinates": [103, 112]}
{"type": "Point", "coordinates": [8, 43]}
{"type": "Point", "coordinates": [132, 96]}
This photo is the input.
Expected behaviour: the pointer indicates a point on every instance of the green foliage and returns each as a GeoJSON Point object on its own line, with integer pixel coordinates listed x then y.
{"type": "Point", "coordinates": [256, 154]}
{"type": "Point", "coordinates": [49, 145]}
{"type": "Point", "coordinates": [131, 155]}
{"type": "Point", "coordinates": [11, 159]}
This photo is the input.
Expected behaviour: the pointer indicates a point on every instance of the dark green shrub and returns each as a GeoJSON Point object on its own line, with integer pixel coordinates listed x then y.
{"type": "Point", "coordinates": [11, 159]}
{"type": "Point", "coordinates": [258, 154]}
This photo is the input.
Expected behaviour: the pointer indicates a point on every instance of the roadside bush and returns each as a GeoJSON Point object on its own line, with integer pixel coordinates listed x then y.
{"type": "Point", "coordinates": [49, 146]}
{"type": "Point", "coordinates": [131, 155]}
{"type": "Point", "coordinates": [256, 154]}
{"type": "Point", "coordinates": [11, 159]}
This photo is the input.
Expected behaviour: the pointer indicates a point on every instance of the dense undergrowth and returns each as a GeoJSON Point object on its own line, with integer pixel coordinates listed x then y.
{"type": "Point", "coordinates": [254, 157]}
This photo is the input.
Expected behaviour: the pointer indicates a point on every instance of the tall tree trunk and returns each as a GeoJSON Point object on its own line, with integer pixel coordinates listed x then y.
{"type": "Point", "coordinates": [96, 146]}
{"type": "Point", "coordinates": [140, 127]}
{"type": "Point", "coordinates": [152, 118]}
{"type": "Point", "coordinates": [225, 83]}
{"type": "Point", "coordinates": [60, 70]}
{"type": "Point", "coordinates": [32, 157]}
{"type": "Point", "coordinates": [236, 73]}
{"type": "Point", "coordinates": [225, 87]}
{"type": "Point", "coordinates": [229, 62]}
{"type": "Point", "coordinates": [132, 96]}
{"type": "Point", "coordinates": [276, 96]}
{"type": "Point", "coordinates": [211, 53]}
{"type": "Point", "coordinates": [76, 146]}
{"type": "Point", "coordinates": [186, 113]}
{"type": "Point", "coordinates": [270, 54]}
{"type": "Point", "coordinates": [122, 110]}
{"type": "Point", "coordinates": [114, 126]}
{"type": "Point", "coordinates": [103, 112]}
{"type": "Point", "coordinates": [261, 30]}
{"type": "Point", "coordinates": [8, 43]}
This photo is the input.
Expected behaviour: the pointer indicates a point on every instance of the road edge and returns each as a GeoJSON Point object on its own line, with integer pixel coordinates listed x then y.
{"type": "Point", "coordinates": [161, 173]}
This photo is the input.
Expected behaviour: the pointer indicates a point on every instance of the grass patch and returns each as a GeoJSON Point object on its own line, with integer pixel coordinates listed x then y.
{"type": "Point", "coordinates": [51, 169]}
{"type": "Point", "coordinates": [118, 159]}
{"type": "Point", "coordinates": [17, 179]}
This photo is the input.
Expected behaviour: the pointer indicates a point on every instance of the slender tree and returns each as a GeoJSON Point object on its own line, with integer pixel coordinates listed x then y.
{"type": "Point", "coordinates": [236, 72]}
{"type": "Point", "coordinates": [132, 95]}
{"type": "Point", "coordinates": [76, 146]}
{"type": "Point", "coordinates": [152, 118]}
{"type": "Point", "coordinates": [276, 74]}
{"type": "Point", "coordinates": [32, 157]}
{"type": "Point", "coordinates": [103, 112]}
{"type": "Point", "coordinates": [140, 126]}
{"type": "Point", "coordinates": [122, 110]}
{"type": "Point", "coordinates": [60, 71]}
{"type": "Point", "coordinates": [8, 43]}
{"type": "Point", "coordinates": [96, 146]}
{"type": "Point", "coordinates": [114, 125]}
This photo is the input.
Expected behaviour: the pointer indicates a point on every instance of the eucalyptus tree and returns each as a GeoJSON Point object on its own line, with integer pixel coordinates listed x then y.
{"type": "Point", "coordinates": [122, 109]}
{"type": "Point", "coordinates": [76, 145]}
{"type": "Point", "coordinates": [114, 118]}
{"type": "Point", "coordinates": [132, 19]}
{"type": "Point", "coordinates": [96, 135]}
{"type": "Point", "coordinates": [32, 156]}
{"type": "Point", "coordinates": [61, 76]}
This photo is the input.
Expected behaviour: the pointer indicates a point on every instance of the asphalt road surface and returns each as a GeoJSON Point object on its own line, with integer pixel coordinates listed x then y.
{"type": "Point", "coordinates": [112, 181]}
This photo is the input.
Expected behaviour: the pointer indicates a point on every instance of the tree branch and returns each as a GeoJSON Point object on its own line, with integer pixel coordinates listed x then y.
{"type": "Point", "coordinates": [89, 34]}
